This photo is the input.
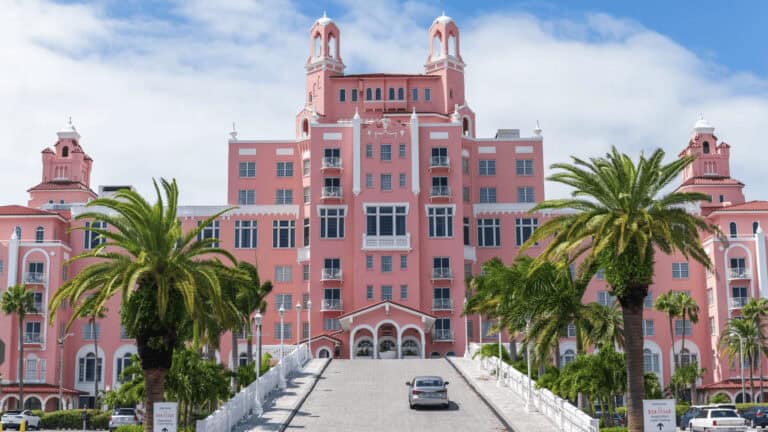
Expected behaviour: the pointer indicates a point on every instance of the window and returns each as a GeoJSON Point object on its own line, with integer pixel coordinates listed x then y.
{"type": "Point", "coordinates": [710, 297]}
{"type": "Point", "coordinates": [469, 329]}
{"type": "Point", "coordinates": [440, 222]}
{"type": "Point", "coordinates": [306, 236]}
{"type": "Point", "coordinates": [600, 274]}
{"type": "Point", "coordinates": [307, 195]}
{"type": "Point", "coordinates": [369, 181]}
{"type": "Point", "coordinates": [331, 324]}
{"type": "Point", "coordinates": [39, 234]}
{"type": "Point", "coordinates": [2, 266]}
{"type": "Point", "coordinates": [401, 150]}
{"type": "Point", "coordinates": [385, 220]}
{"type": "Point", "coordinates": [414, 94]}
{"type": "Point", "coordinates": [486, 329]}
{"type": "Point", "coordinates": [305, 298]}
{"type": "Point", "coordinates": [466, 231]}
{"type": "Point", "coordinates": [35, 273]}
{"type": "Point", "coordinates": [733, 232]}
{"type": "Point", "coordinates": [465, 165]}
{"type": "Point", "coordinates": [92, 238]}
{"type": "Point", "coordinates": [441, 267]}
{"type": "Point", "coordinates": [32, 332]}
{"type": "Point", "coordinates": [37, 301]}
{"type": "Point", "coordinates": [427, 94]}
{"type": "Point", "coordinates": [284, 300]}
{"type": "Point", "coordinates": [487, 194]}
{"type": "Point", "coordinates": [686, 357]}
{"type": "Point", "coordinates": [246, 197]}
{"type": "Point", "coordinates": [525, 194]}
{"type": "Point", "coordinates": [487, 167]}
{"type": "Point", "coordinates": [755, 227]}
{"type": "Point", "coordinates": [386, 263]}
{"type": "Point", "coordinates": [245, 234]}
{"type": "Point", "coordinates": [285, 169]}
{"type": "Point", "coordinates": [286, 333]}
{"type": "Point", "coordinates": [738, 296]}
{"type": "Point", "coordinates": [738, 268]}
{"type": "Point", "coordinates": [680, 325]}
{"type": "Point", "coordinates": [440, 187]}
{"type": "Point", "coordinates": [385, 150]}
{"type": "Point", "coordinates": [467, 269]}
{"type": "Point", "coordinates": [210, 231]}
{"type": "Point", "coordinates": [305, 272]}
{"type": "Point", "coordinates": [648, 329]}
{"type": "Point", "coordinates": [443, 329]}
{"type": "Point", "coordinates": [400, 93]}
{"type": "Point", "coordinates": [680, 270]}
{"type": "Point", "coordinates": [342, 95]}
{"type": "Point", "coordinates": [650, 361]}
{"type": "Point", "coordinates": [368, 94]}
{"type": "Point", "coordinates": [711, 326]}
{"type": "Point", "coordinates": [283, 233]}
{"type": "Point", "coordinates": [648, 301]}
{"type": "Point", "coordinates": [369, 262]}
{"type": "Point", "coordinates": [386, 182]}
{"type": "Point", "coordinates": [605, 298]}
{"type": "Point", "coordinates": [88, 368]}
{"type": "Point", "coordinates": [122, 364]}
{"type": "Point", "coordinates": [332, 268]}
{"type": "Point", "coordinates": [331, 299]}
{"type": "Point", "coordinates": [524, 228]}
{"type": "Point", "coordinates": [331, 223]}
{"type": "Point", "coordinates": [386, 292]}
{"type": "Point", "coordinates": [391, 93]}
{"type": "Point", "coordinates": [91, 331]}
{"type": "Point", "coordinates": [369, 292]}
{"type": "Point", "coordinates": [306, 166]}
{"type": "Point", "coordinates": [403, 292]}
{"type": "Point", "coordinates": [403, 262]}
{"type": "Point", "coordinates": [247, 169]}
{"type": "Point", "coordinates": [378, 93]}
{"type": "Point", "coordinates": [283, 273]}
{"type": "Point", "coordinates": [706, 147]}
{"type": "Point", "coordinates": [354, 95]}
{"type": "Point", "coordinates": [722, 198]}
{"type": "Point", "coordinates": [402, 180]}
{"type": "Point", "coordinates": [524, 167]}
{"type": "Point", "coordinates": [284, 196]}
{"type": "Point", "coordinates": [489, 233]}
{"type": "Point", "coordinates": [568, 356]}
{"type": "Point", "coordinates": [441, 299]}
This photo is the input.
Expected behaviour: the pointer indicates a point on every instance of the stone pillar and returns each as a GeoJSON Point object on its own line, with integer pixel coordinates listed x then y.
{"type": "Point", "coordinates": [761, 262]}
{"type": "Point", "coordinates": [13, 259]}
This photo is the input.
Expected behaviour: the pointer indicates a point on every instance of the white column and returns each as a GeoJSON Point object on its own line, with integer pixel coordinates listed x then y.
{"type": "Point", "coordinates": [423, 345]}
{"type": "Point", "coordinates": [415, 183]}
{"type": "Point", "coordinates": [376, 344]}
{"type": "Point", "coordinates": [762, 262]}
{"type": "Point", "coordinates": [13, 259]}
{"type": "Point", "coordinates": [352, 345]}
{"type": "Point", "coordinates": [356, 153]}
{"type": "Point", "coordinates": [399, 341]}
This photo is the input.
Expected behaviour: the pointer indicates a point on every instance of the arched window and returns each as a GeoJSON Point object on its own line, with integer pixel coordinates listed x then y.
{"type": "Point", "coordinates": [705, 147]}
{"type": "Point", "coordinates": [122, 363]}
{"type": "Point", "coordinates": [324, 353]}
{"type": "Point", "coordinates": [88, 368]}
{"type": "Point", "coordinates": [39, 234]}
{"type": "Point", "coordinates": [368, 94]}
{"type": "Point", "coordinates": [452, 45]}
{"type": "Point", "coordinates": [65, 151]}
{"type": "Point", "coordinates": [571, 330]}
{"type": "Point", "coordinates": [305, 128]}
{"type": "Point", "coordinates": [316, 50]}
{"type": "Point", "coordinates": [650, 361]}
{"type": "Point", "coordinates": [18, 232]}
{"type": "Point", "coordinates": [378, 93]}
{"type": "Point", "coordinates": [410, 348]}
{"type": "Point", "coordinates": [437, 46]}
{"type": "Point", "coordinates": [242, 359]}
{"type": "Point", "coordinates": [732, 228]}
{"type": "Point", "coordinates": [332, 46]}
{"type": "Point", "coordinates": [755, 226]}
{"type": "Point", "coordinates": [33, 403]}
{"type": "Point", "coordinates": [568, 356]}
{"type": "Point", "coordinates": [686, 357]}
{"type": "Point", "coordinates": [386, 345]}
{"type": "Point", "coordinates": [465, 126]}
{"type": "Point", "coordinates": [364, 348]}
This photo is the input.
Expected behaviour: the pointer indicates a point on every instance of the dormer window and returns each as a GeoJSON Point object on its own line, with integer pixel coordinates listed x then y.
{"type": "Point", "coordinates": [65, 152]}
{"type": "Point", "coordinates": [705, 146]}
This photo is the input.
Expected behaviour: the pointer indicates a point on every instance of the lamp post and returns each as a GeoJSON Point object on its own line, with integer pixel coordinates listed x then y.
{"type": "Point", "coordinates": [309, 321]}
{"type": "Point", "coordinates": [257, 322]}
{"type": "Point", "coordinates": [498, 368]}
{"type": "Point", "coordinates": [299, 327]}
{"type": "Point", "coordinates": [61, 368]}
{"type": "Point", "coordinates": [466, 330]}
{"type": "Point", "coordinates": [480, 330]}
{"type": "Point", "coordinates": [282, 330]}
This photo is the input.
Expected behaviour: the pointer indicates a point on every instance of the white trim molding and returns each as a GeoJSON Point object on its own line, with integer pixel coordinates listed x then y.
{"type": "Point", "coordinates": [501, 208]}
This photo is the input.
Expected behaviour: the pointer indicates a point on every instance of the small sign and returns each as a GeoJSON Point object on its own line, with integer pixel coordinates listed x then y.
{"type": "Point", "coordinates": [166, 416]}
{"type": "Point", "coordinates": [659, 415]}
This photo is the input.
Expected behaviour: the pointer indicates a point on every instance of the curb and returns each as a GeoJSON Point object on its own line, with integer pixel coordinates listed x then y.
{"type": "Point", "coordinates": [304, 397]}
{"type": "Point", "coordinates": [494, 409]}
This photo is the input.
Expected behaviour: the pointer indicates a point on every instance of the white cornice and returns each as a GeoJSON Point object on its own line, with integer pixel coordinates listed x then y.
{"type": "Point", "coordinates": [501, 208]}
{"type": "Point", "coordinates": [239, 141]}
{"type": "Point", "coordinates": [521, 139]}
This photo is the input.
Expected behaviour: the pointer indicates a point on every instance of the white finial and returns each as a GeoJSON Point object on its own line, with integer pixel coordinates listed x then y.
{"type": "Point", "coordinates": [233, 134]}
{"type": "Point", "coordinates": [69, 120]}
{"type": "Point", "coordinates": [537, 131]}
{"type": "Point", "coordinates": [324, 15]}
{"type": "Point", "coordinates": [315, 116]}
{"type": "Point", "coordinates": [455, 117]}
{"type": "Point", "coordinates": [15, 235]}
{"type": "Point", "coordinates": [443, 14]}
{"type": "Point", "coordinates": [413, 115]}
{"type": "Point", "coordinates": [357, 115]}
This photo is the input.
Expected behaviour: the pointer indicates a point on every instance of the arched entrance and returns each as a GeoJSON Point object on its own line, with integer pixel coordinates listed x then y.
{"type": "Point", "coordinates": [741, 396]}
{"type": "Point", "coordinates": [324, 353]}
{"type": "Point", "coordinates": [52, 404]}
{"type": "Point", "coordinates": [410, 348]}
{"type": "Point", "coordinates": [33, 403]}
{"type": "Point", "coordinates": [362, 346]}
{"type": "Point", "coordinates": [387, 347]}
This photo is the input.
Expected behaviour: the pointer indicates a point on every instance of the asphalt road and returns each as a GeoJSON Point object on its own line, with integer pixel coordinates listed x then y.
{"type": "Point", "coordinates": [371, 395]}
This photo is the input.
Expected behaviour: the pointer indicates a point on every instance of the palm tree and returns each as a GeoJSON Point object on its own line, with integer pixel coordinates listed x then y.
{"type": "Point", "coordinates": [757, 310]}
{"type": "Point", "coordinates": [17, 300]}
{"type": "Point", "coordinates": [167, 278]}
{"type": "Point", "coordinates": [619, 217]}
{"type": "Point", "coordinates": [689, 310]}
{"type": "Point", "coordinates": [742, 334]}
{"type": "Point", "coordinates": [93, 312]}
{"type": "Point", "coordinates": [666, 303]}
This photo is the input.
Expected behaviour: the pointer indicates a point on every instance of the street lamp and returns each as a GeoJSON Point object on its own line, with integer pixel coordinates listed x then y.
{"type": "Point", "coordinates": [298, 326]}
{"type": "Point", "coordinates": [257, 322]}
{"type": "Point", "coordinates": [282, 330]}
{"type": "Point", "coordinates": [498, 372]}
{"type": "Point", "coordinates": [466, 330]}
{"type": "Point", "coordinates": [309, 320]}
{"type": "Point", "coordinates": [61, 368]}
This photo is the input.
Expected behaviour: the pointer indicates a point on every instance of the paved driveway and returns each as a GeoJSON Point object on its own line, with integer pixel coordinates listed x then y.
{"type": "Point", "coordinates": [370, 395]}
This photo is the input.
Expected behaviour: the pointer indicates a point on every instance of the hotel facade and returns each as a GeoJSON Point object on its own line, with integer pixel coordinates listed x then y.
{"type": "Point", "coordinates": [367, 222]}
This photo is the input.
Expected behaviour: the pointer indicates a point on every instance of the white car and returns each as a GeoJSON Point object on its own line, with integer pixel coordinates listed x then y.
{"type": "Point", "coordinates": [13, 419]}
{"type": "Point", "coordinates": [718, 420]}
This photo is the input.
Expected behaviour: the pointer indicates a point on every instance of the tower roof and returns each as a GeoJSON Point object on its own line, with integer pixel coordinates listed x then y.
{"type": "Point", "coordinates": [324, 20]}
{"type": "Point", "coordinates": [68, 131]}
{"type": "Point", "coordinates": [703, 126]}
{"type": "Point", "coordinates": [443, 19]}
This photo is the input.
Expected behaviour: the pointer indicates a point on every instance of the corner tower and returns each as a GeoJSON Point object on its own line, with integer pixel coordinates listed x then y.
{"type": "Point", "coordinates": [324, 61]}
{"type": "Point", "coordinates": [445, 60]}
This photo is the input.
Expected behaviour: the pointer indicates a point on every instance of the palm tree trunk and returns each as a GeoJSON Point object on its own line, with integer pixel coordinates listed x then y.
{"type": "Point", "coordinates": [682, 343]}
{"type": "Point", "coordinates": [557, 354]}
{"type": "Point", "coordinates": [97, 374]}
{"type": "Point", "coordinates": [671, 338]}
{"type": "Point", "coordinates": [154, 388]}
{"type": "Point", "coordinates": [249, 345]}
{"type": "Point", "coordinates": [693, 387]}
{"type": "Point", "coordinates": [21, 363]}
{"type": "Point", "coordinates": [760, 355]}
{"type": "Point", "coordinates": [751, 377]}
{"type": "Point", "coordinates": [235, 363]}
{"type": "Point", "coordinates": [513, 348]}
{"type": "Point", "coordinates": [633, 347]}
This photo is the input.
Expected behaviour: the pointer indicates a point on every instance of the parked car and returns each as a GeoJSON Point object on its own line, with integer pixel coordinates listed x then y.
{"type": "Point", "coordinates": [13, 419]}
{"type": "Point", "coordinates": [427, 391]}
{"type": "Point", "coordinates": [124, 416]}
{"type": "Point", "coordinates": [694, 410]}
{"type": "Point", "coordinates": [756, 416]}
{"type": "Point", "coordinates": [718, 419]}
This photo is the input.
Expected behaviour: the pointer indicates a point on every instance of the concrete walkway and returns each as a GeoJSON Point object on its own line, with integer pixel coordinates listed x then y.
{"type": "Point", "coordinates": [503, 400]}
{"type": "Point", "coordinates": [281, 407]}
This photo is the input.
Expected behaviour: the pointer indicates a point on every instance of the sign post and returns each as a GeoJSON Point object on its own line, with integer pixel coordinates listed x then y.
{"type": "Point", "coordinates": [659, 415]}
{"type": "Point", "coordinates": [166, 417]}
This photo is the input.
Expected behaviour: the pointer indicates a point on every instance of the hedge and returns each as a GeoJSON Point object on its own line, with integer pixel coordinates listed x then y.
{"type": "Point", "coordinates": [130, 428]}
{"type": "Point", "coordinates": [614, 429]}
{"type": "Point", "coordinates": [71, 419]}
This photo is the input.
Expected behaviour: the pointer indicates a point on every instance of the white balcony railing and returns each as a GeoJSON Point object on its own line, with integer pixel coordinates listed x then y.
{"type": "Point", "coordinates": [738, 302]}
{"type": "Point", "coordinates": [440, 191]}
{"type": "Point", "coordinates": [331, 192]}
{"type": "Point", "coordinates": [331, 274]}
{"type": "Point", "coordinates": [386, 242]}
{"type": "Point", "coordinates": [331, 305]}
{"type": "Point", "coordinates": [739, 273]}
{"type": "Point", "coordinates": [34, 277]}
{"type": "Point", "coordinates": [442, 304]}
{"type": "Point", "coordinates": [302, 254]}
{"type": "Point", "coordinates": [331, 162]}
{"type": "Point", "coordinates": [470, 253]}
{"type": "Point", "coordinates": [439, 162]}
{"type": "Point", "coordinates": [442, 273]}
{"type": "Point", "coordinates": [442, 335]}
{"type": "Point", "coordinates": [32, 338]}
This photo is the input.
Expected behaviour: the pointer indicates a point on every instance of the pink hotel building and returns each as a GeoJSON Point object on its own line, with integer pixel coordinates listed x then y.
{"type": "Point", "coordinates": [376, 211]}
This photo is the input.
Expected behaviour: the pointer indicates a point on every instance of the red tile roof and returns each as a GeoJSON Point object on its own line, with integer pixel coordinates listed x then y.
{"type": "Point", "coordinates": [47, 186]}
{"type": "Point", "coordinates": [747, 206]}
{"type": "Point", "coordinates": [385, 75]}
{"type": "Point", "coordinates": [17, 210]}
{"type": "Point", "coordinates": [13, 388]}
{"type": "Point", "coordinates": [728, 384]}
{"type": "Point", "coordinates": [711, 181]}
{"type": "Point", "coordinates": [375, 305]}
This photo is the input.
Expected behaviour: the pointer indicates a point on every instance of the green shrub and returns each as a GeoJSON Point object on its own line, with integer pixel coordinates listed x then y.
{"type": "Point", "coordinates": [614, 429]}
{"type": "Point", "coordinates": [70, 419]}
{"type": "Point", "coordinates": [130, 428]}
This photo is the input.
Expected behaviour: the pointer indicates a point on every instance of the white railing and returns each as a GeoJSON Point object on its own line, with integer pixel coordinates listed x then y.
{"type": "Point", "coordinates": [34, 277]}
{"type": "Point", "coordinates": [739, 302]}
{"type": "Point", "coordinates": [331, 305]}
{"type": "Point", "coordinates": [441, 273]}
{"type": "Point", "coordinates": [439, 162]}
{"type": "Point", "coordinates": [331, 162]}
{"type": "Point", "coordinates": [331, 274]}
{"type": "Point", "coordinates": [249, 401]}
{"type": "Point", "coordinates": [442, 335]}
{"type": "Point", "coordinates": [563, 415]}
{"type": "Point", "coordinates": [331, 192]}
{"type": "Point", "coordinates": [739, 273]}
{"type": "Point", "coordinates": [440, 191]}
{"type": "Point", "coordinates": [386, 242]}
{"type": "Point", "coordinates": [442, 304]}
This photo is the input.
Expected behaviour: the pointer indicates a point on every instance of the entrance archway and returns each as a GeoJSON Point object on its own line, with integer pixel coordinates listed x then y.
{"type": "Point", "coordinates": [324, 353]}
{"type": "Point", "coordinates": [411, 347]}
{"type": "Point", "coordinates": [387, 347]}
{"type": "Point", "coordinates": [33, 403]}
{"type": "Point", "coordinates": [364, 348]}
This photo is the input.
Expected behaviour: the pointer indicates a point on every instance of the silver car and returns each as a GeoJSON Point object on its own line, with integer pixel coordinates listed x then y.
{"type": "Point", "coordinates": [124, 416]}
{"type": "Point", "coordinates": [427, 391]}
{"type": "Point", "coordinates": [13, 419]}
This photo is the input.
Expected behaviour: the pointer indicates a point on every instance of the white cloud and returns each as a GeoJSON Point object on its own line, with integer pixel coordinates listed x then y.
{"type": "Point", "coordinates": [156, 97]}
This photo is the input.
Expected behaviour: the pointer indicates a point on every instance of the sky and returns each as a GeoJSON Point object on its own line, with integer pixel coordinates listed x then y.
{"type": "Point", "coordinates": [154, 87]}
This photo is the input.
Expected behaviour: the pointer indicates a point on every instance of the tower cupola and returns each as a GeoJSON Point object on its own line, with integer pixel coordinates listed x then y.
{"type": "Point", "coordinates": [325, 46]}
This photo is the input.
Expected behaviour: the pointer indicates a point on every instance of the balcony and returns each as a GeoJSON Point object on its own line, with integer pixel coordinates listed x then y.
{"type": "Point", "coordinates": [440, 192]}
{"type": "Point", "coordinates": [384, 243]}
{"type": "Point", "coordinates": [736, 273]}
{"type": "Point", "coordinates": [470, 253]}
{"type": "Point", "coordinates": [437, 162]}
{"type": "Point", "coordinates": [442, 335]}
{"type": "Point", "coordinates": [330, 274]}
{"type": "Point", "coordinates": [331, 192]}
{"type": "Point", "coordinates": [33, 338]}
{"type": "Point", "coordinates": [38, 308]}
{"type": "Point", "coordinates": [331, 162]}
{"type": "Point", "coordinates": [442, 304]}
{"type": "Point", "coordinates": [34, 278]}
{"type": "Point", "coordinates": [442, 273]}
{"type": "Point", "coordinates": [302, 254]}
{"type": "Point", "coordinates": [738, 302]}
{"type": "Point", "coordinates": [331, 305]}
